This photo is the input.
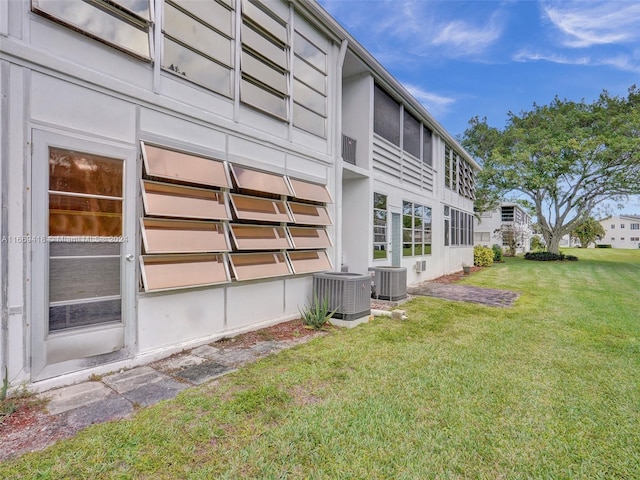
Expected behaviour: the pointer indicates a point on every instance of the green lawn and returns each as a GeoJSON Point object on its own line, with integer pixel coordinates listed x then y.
{"type": "Point", "coordinates": [547, 389]}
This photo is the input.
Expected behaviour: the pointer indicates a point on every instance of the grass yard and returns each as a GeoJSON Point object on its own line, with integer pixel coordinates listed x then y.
{"type": "Point", "coordinates": [547, 389]}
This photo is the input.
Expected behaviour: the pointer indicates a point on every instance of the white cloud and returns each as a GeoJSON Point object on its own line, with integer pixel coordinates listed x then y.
{"type": "Point", "coordinates": [434, 103]}
{"type": "Point", "coordinates": [525, 56]}
{"type": "Point", "coordinates": [622, 62]}
{"type": "Point", "coordinates": [463, 39]}
{"type": "Point", "coordinates": [619, 62]}
{"type": "Point", "coordinates": [422, 25]}
{"type": "Point", "coordinates": [595, 22]}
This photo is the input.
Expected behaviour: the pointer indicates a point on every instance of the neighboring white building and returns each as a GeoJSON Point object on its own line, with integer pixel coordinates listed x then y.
{"type": "Point", "coordinates": [174, 172]}
{"type": "Point", "coordinates": [621, 231]}
{"type": "Point", "coordinates": [507, 214]}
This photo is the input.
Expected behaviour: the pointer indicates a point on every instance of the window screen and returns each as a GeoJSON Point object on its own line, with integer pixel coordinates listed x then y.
{"type": "Point", "coordinates": [426, 146]}
{"type": "Point", "coordinates": [73, 278]}
{"type": "Point", "coordinates": [411, 135]}
{"type": "Point", "coordinates": [386, 116]}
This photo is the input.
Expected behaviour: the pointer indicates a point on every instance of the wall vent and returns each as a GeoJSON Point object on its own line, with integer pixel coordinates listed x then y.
{"type": "Point", "coordinates": [390, 283]}
{"type": "Point", "coordinates": [349, 149]}
{"type": "Point", "coordinates": [349, 293]}
{"type": "Point", "coordinates": [421, 266]}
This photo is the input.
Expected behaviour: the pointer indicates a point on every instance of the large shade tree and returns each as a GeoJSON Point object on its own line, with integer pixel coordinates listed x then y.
{"type": "Point", "coordinates": [565, 158]}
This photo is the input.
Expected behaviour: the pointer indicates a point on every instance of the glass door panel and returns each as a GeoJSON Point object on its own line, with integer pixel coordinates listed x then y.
{"type": "Point", "coordinates": [85, 230]}
{"type": "Point", "coordinates": [80, 268]}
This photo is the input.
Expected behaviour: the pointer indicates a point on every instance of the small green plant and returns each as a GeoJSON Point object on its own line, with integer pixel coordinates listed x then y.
{"type": "Point", "coordinates": [536, 244]}
{"type": "Point", "coordinates": [21, 397]}
{"type": "Point", "coordinates": [5, 385]}
{"type": "Point", "coordinates": [7, 407]}
{"type": "Point", "coordinates": [482, 256]}
{"type": "Point", "coordinates": [497, 252]}
{"type": "Point", "coordinates": [317, 314]}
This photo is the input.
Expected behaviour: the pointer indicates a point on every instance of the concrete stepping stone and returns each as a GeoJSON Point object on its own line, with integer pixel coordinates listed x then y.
{"type": "Point", "coordinates": [203, 372]}
{"type": "Point", "coordinates": [266, 347]}
{"type": "Point", "coordinates": [206, 351]}
{"type": "Point", "coordinates": [235, 358]}
{"type": "Point", "coordinates": [144, 385]}
{"type": "Point", "coordinates": [107, 409]}
{"type": "Point", "coordinates": [151, 393]}
{"type": "Point", "coordinates": [178, 362]}
{"type": "Point", "coordinates": [75, 396]}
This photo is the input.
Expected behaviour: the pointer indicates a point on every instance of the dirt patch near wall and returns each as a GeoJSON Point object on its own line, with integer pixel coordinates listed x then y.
{"type": "Point", "coordinates": [287, 331]}
{"type": "Point", "coordinates": [455, 277]}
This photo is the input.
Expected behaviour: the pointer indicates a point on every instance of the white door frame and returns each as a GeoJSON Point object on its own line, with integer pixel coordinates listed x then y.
{"type": "Point", "coordinates": [396, 239]}
{"type": "Point", "coordinates": [57, 353]}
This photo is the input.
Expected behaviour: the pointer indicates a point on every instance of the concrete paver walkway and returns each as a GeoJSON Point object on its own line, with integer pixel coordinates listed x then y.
{"type": "Point", "coordinates": [465, 293]}
{"type": "Point", "coordinates": [117, 395]}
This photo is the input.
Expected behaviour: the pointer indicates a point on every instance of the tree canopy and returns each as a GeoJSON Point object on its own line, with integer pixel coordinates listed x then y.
{"type": "Point", "coordinates": [588, 232]}
{"type": "Point", "coordinates": [565, 158]}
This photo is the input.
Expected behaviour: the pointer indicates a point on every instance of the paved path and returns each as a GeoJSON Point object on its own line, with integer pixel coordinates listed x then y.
{"type": "Point", "coordinates": [465, 293]}
{"type": "Point", "coordinates": [117, 395]}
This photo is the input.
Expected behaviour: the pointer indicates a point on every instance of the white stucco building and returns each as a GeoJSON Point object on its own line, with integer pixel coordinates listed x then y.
{"type": "Point", "coordinates": [621, 231]}
{"type": "Point", "coordinates": [174, 172]}
{"type": "Point", "coordinates": [506, 214]}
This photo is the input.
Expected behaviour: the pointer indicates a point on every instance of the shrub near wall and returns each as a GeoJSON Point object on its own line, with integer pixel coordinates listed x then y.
{"type": "Point", "coordinates": [482, 256]}
{"type": "Point", "coordinates": [497, 252]}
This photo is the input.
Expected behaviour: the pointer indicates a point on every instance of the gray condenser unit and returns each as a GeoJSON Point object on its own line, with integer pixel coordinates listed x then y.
{"type": "Point", "coordinates": [390, 283]}
{"type": "Point", "coordinates": [347, 293]}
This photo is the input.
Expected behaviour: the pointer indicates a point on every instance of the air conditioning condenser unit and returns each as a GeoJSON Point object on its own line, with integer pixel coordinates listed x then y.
{"type": "Point", "coordinates": [390, 283]}
{"type": "Point", "coordinates": [349, 294]}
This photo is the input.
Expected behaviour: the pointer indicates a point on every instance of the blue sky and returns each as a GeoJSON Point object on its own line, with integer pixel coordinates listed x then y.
{"type": "Point", "coordinates": [462, 59]}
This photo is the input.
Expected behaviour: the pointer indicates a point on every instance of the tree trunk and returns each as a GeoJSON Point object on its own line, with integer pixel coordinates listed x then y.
{"type": "Point", "coordinates": [553, 245]}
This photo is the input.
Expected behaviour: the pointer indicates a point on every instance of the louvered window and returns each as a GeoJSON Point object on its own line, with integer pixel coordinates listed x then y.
{"type": "Point", "coordinates": [123, 24]}
{"type": "Point", "coordinates": [264, 60]}
{"type": "Point", "coordinates": [198, 43]}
